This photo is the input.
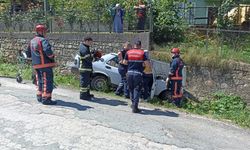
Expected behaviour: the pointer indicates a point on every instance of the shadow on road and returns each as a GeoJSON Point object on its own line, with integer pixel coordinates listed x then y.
{"type": "Point", "coordinates": [158, 112]}
{"type": "Point", "coordinates": [72, 105]}
{"type": "Point", "coordinates": [110, 102]}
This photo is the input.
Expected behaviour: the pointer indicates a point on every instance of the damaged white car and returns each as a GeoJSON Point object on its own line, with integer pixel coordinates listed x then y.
{"type": "Point", "coordinates": [105, 74]}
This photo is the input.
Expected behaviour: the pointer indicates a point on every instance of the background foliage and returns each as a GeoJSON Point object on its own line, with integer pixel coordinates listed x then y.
{"type": "Point", "coordinates": [168, 22]}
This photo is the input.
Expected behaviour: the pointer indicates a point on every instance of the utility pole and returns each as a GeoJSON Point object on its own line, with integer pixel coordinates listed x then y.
{"type": "Point", "coordinates": [98, 16]}
{"type": "Point", "coordinates": [45, 2]}
{"type": "Point", "coordinates": [45, 7]}
{"type": "Point", "coordinates": [47, 22]}
{"type": "Point", "coordinates": [151, 23]}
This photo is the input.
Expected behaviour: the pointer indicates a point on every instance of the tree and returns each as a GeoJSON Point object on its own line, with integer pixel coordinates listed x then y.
{"type": "Point", "coordinates": [168, 21]}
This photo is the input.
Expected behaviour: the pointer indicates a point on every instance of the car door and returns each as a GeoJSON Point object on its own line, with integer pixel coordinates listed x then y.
{"type": "Point", "coordinates": [111, 68]}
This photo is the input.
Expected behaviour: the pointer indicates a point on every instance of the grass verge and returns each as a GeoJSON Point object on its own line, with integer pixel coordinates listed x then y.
{"type": "Point", "coordinates": [11, 70]}
{"type": "Point", "coordinates": [220, 106]}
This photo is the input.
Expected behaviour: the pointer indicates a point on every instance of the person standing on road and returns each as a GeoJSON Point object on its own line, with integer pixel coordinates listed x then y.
{"type": "Point", "coordinates": [175, 77]}
{"type": "Point", "coordinates": [43, 61]}
{"type": "Point", "coordinates": [147, 80]}
{"type": "Point", "coordinates": [136, 60]}
{"type": "Point", "coordinates": [122, 69]}
{"type": "Point", "coordinates": [86, 58]}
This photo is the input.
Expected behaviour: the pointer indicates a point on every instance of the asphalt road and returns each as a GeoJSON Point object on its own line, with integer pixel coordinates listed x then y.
{"type": "Point", "coordinates": [105, 123]}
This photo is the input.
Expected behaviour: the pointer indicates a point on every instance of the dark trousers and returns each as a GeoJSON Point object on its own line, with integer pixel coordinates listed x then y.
{"type": "Point", "coordinates": [141, 23]}
{"type": "Point", "coordinates": [44, 78]}
{"type": "Point", "coordinates": [123, 86]}
{"type": "Point", "coordinates": [85, 80]}
{"type": "Point", "coordinates": [176, 92]}
{"type": "Point", "coordinates": [147, 85]}
{"type": "Point", "coordinates": [135, 85]}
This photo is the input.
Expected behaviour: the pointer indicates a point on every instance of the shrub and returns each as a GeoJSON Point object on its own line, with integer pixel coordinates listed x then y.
{"type": "Point", "coordinates": [168, 22]}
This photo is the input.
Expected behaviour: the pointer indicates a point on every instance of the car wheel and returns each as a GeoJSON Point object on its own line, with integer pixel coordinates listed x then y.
{"type": "Point", "coordinates": [165, 95]}
{"type": "Point", "coordinates": [100, 83]}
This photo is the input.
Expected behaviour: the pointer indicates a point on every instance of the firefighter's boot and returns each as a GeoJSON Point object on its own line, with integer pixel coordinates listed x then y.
{"type": "Point", "coordinates": [48, 101]}
{"type": "Point", "coordinates": [135, 109]}
{"type": "Point", "coordinates": [39, 98]}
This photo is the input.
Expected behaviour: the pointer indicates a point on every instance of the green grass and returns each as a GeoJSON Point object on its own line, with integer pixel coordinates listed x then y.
{"type": "Point", "coordinates": [68, 80]}
{"type": "Point", "coordinates": [195, 52]}
{"type": "Point", "coordinates": [11, 70]}
{"type": "Point", "coordinates": [220, 106]}
{"type": "Point", "coordinates": [8, 70]}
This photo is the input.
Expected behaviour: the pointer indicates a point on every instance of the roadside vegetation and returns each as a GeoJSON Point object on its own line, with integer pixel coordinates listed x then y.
{"type": "Point", "coordinates": [11, 70]}
{"type": "Point", "coordinates": [214, 52]}
{"type": "Point", "coordinates": [229, 108]}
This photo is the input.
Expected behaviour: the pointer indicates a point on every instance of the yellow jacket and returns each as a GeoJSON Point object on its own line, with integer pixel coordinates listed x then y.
{"type": "Point", "coordinates": [148, 69]}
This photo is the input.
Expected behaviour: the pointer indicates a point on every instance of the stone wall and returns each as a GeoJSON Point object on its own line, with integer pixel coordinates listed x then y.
{"type": "Point", "coordinates": [67, 44]}
{"type": "Point", "coordinates": [202, 81]}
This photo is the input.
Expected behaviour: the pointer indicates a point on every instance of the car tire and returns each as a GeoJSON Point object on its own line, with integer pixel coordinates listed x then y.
{"type": "Point", "coordinates": [100, 83]}
{"type": "Point", "coordinates": [165, 95]}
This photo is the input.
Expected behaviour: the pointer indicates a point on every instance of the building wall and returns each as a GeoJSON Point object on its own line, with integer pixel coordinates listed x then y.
{"type": "Point", "coordinates": [200, 12]}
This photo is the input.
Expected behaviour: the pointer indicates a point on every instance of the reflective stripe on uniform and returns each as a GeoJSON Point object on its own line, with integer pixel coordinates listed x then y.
{"type": "Point", "coordinates": [85, 69]}
{"type": "Point", "coordinates": [137, 72]}
{"type": "Point", "coordinates": [44, 84]}
{"type": "Point", "coordinates": [84, 57]}
{"type": "Point", "coordinates": [84, 89]}
{"type": "Point", "coordinates": [176, 78]}
{"type": "Point", "coordinates": [135, 61]}
{"type": "Point", "coordinates": [44, 65]}
{"type": "Point", "coordinates": [177, 96]}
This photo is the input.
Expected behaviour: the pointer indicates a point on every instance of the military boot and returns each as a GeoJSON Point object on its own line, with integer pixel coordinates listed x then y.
{"type": "Point", "coordinates": [135, 109]}
{"type": "Point", "coordinates": [85, 97]}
